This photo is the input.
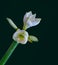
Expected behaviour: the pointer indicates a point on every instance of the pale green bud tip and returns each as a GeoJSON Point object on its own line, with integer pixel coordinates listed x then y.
{"type": "Point", "coordinates": [32, 38]}
{"type": "Point", "coordinates": [12, 23]}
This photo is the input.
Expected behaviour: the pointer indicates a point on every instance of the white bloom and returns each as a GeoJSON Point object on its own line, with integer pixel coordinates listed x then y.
{"type": "Point", "coordinates": [21, 36]}
{"type": "Point", "coordinates": [30, 20]}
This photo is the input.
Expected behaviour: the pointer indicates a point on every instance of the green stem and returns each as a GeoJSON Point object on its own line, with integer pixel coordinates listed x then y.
{"type": "Point", "coordinates": [8, 53]}
{"type": "Point", "coordinates": [24, 27]}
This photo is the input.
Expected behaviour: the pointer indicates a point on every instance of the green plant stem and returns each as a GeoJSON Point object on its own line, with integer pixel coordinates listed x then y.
{"type": "Point", "coordinates": [8, 53]}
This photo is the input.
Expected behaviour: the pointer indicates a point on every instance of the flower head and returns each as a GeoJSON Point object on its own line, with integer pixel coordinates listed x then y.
{"type": "Point", "coordinates": [21, 36]}
{"type": "Point", "coordinates": [30, 20]}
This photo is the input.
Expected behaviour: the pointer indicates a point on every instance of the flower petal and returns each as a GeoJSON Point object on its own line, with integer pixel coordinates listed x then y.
{"type": "Point", "coordinates": [26, 16]}
{"type": "Point", "coordinates": [36, 22]}
{"type": "Point", "coordinates": [33, 22]}
{"type": "Point", "coordinates": [20, 36]}
{"type": "Point", "coordinates": [16, 34]}
{"type": "Point", "coordinates": [32, 17]}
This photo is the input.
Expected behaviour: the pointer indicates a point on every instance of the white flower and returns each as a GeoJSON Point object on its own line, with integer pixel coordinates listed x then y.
{"type": "Point", "coordinates": [30, 20]}
{"type": "Point", "coordinates": [21, 36]}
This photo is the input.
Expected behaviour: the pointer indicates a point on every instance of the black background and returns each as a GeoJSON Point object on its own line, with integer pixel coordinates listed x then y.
{"type": "Point", "coordinates": [35, 53]}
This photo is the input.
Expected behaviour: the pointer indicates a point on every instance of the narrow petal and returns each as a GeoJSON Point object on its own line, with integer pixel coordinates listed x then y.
{"type": "Point", "coordinates": [16, 34]}
{"type": "Point", "coordinates": [36, 22]}
{"type": "Point", "coordinates": [30, 21]}
{"type": "Point", "coordinates": [32, 17]}
{"type": "Point", "coordinates": [26, 16]}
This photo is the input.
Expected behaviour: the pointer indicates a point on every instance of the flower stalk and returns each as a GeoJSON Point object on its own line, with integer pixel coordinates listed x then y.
{"type": "Point", "coordinates": [8, 53]}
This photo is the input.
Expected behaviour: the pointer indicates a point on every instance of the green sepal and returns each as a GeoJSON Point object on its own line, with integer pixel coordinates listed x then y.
{"type": "Point", "coordinates": [32, 38]}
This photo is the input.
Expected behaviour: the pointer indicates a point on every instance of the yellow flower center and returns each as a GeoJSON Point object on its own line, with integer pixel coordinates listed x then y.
{"type": "Point", "coordinates": [21, 36]}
